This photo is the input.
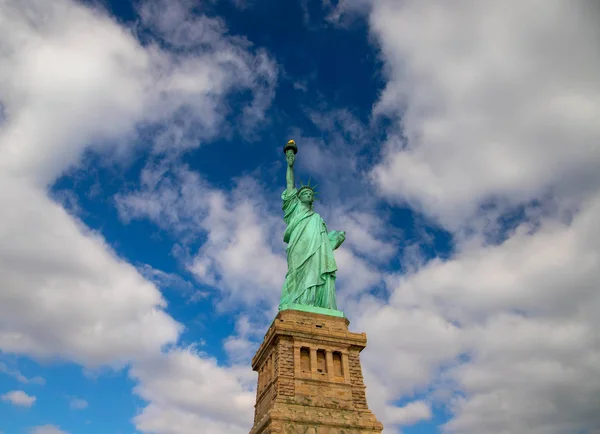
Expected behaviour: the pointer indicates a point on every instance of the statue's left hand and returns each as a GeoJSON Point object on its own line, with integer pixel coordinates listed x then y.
{"type": "Point", "coordinates": [336, 238]}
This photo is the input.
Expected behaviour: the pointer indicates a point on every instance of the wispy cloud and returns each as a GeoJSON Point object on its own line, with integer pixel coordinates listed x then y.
{"type": "Point", "coordinates": [78, 404]}
{"type": "Point", "coordinates": [174, 282]}
{"type": "Point", "coordinates": [239, 257]}
{"type": "Point", "coordinates": [20, 377]}
{"type": "Point", "coordinates": [47, 429]}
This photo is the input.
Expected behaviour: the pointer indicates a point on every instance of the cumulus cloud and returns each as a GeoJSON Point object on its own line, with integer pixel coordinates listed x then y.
{"type": "Point", "coordinates": [66, 293]}
{"type": "Point", "coordinates": [106, 83]}
{"type": "Point", "coordinates": [185, 390]}
{"type": "Point", "coordinates": [72, 79]}
{"type": "Point", "coordinates": [239, 252]}
{"type": "Point", "coordinates": [497, 102]}
{"type": "Point", "coordinates": [504, 336]}
{"type": "Point", "coordinates": [369, 234]}
{"type": "Point", "coordinates": [250, 328]}
{"type": "Point", "coordinates": [355, 275]}
{"type": "Point", "coordinates": [19, 398]}
{"type": "Point", "coordinates": [409, 414]}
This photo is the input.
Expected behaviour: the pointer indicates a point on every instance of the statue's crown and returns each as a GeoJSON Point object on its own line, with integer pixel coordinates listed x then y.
{"type": "Point", "coordinates": [307, 186]}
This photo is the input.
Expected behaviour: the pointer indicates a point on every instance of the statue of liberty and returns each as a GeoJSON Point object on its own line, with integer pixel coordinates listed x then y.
{"type": "Point", "coordinates": [310, 280]}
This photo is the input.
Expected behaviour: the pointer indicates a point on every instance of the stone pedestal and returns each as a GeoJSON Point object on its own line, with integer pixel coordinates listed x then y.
{"type": "Point", "coordinates": [310, 379]}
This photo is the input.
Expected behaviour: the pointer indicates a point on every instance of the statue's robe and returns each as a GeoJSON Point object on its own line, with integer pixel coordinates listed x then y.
{"type": "Point", "coordinates": [310, 279]}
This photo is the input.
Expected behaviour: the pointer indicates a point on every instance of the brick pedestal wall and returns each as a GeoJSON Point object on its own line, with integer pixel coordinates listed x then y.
{"type": "Point", "coordinates": [310, 398]}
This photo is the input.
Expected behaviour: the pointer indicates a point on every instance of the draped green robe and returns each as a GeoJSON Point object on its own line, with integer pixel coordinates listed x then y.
{"type": "Point", "coordinates": [310, 279]}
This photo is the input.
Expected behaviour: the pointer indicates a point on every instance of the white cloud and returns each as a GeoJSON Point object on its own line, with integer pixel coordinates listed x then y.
{"type": "Point", "coordinates": [409, 414]}
{"type": "Point", "coordinates": [406, 346]}
{"type": "Point", "coordinates": [78, 404]}
{"type": "Point", "coordinates": [335, 158]}
{"type": "Point", "coordinates": [499, 101]}
{"type": "Point", "coordinates": [503, 335]}
{"type": "Point", "coordinates": [344, 12]}
{"type": "Point", "coordinates": [173, 281]}
{"type": "Point", "coordinates": [238, 254]}
{"type": "Point", "coordinates": [250, 328]}
{"type": "Point", "coordinates": [73, 79]}
{"type": "Point", "coordinates": [187, 390]}
{"type": "Point", "coordinates": [94, 74]}
{"type": "Point", "coordinates": [239, 257]}
{"type": "Point", "coordinates": [180, 28]}
{"type": "Point", "coordinates": [19, 398]}
{"type": "Point", "coordinates": [66, 294]}
{"type": "Point", "coordinates": [354, 276]}
{"type": "Point", "coordinates": [368, 234]}
{"type": "Point", "coordinates": [47, 429]}
{"type": "Point", "coordinates": [106, 83]}
{"type": "Point", "coordinates": [227, 61]}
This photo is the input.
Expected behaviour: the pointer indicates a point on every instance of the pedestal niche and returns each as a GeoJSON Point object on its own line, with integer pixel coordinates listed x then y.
{"type": "Point", "coordinates": [310, 378]}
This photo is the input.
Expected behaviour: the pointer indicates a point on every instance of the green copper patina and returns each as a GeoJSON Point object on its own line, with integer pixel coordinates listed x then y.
{"type": "Point", "coordinates": [310, 280]}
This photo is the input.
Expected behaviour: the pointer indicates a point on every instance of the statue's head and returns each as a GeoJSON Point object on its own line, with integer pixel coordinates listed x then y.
{"type": "Point", "coordinates": [306, 195]}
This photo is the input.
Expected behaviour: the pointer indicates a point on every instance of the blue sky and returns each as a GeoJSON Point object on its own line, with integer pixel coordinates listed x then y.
{"type": "Point", "coordinates": [141, 167]}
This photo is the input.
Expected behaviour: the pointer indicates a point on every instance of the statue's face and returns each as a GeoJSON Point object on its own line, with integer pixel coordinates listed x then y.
{"type": "Point", "coordinates": [307, 196]}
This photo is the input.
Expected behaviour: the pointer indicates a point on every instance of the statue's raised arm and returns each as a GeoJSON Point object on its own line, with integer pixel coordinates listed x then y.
{"type": "Point", "coordinates": [310, 280]}
{"type": "Point", "coordinates": [290, 155]}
